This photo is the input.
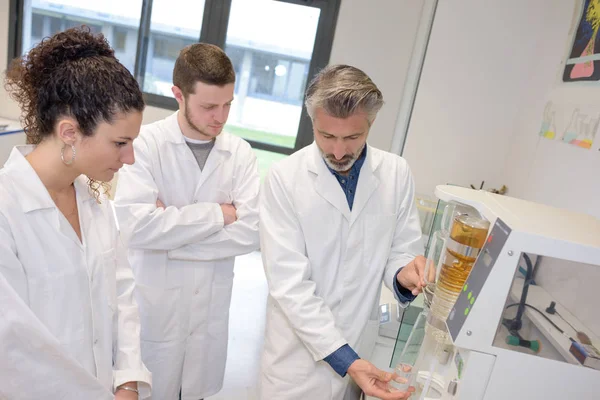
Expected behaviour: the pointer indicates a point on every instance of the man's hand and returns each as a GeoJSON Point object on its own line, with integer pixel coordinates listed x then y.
{"type": "Point", "coordinates": [125, 395]}
{"type": "Point", "coordinates": [229, 213]}
{"type": "Point", "coordinates": [122, 394]}
{"type": "Point", "coordinates": [412, 277]}
{"type": "Point", "coordinates": [159, 204]}
{"type": "Point", "coordinates": [375, 382]}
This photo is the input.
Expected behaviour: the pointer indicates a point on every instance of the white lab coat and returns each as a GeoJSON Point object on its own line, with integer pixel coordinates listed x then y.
{"type": "Point", "coordinates": [183, 256]}
{"type": "Point", "coordinates": [325, 264]}
{"type": "Point", "coordinates": [67, 311]}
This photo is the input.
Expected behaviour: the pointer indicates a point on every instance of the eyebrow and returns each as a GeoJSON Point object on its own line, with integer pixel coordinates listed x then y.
{"type": "Point", "coordinates": [329, 134]}
{"type": "Point", "coordinates": [213, 104]}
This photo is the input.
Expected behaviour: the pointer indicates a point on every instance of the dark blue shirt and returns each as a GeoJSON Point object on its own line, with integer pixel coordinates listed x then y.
{"type": "Point", "coordinates": [341, 359]}
{"type": "Point", "coordinates": [349, 182]}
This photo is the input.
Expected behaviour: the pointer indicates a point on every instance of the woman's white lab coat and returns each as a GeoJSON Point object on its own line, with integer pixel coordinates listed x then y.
{"type": "Point", "coordinates": [183, 256]}
{"type": "Point", "coordinates": [69, 325]}
{"type": "Point", "coordinates": [325, 264]}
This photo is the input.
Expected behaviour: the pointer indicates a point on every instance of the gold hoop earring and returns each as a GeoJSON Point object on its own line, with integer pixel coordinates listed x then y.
{"type": "Point", "coordinates": [62, 155]}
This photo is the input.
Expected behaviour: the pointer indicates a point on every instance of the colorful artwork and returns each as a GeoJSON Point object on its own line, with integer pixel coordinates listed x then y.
{"type": "Point", "coordinates": [577, 125]}
{"type": "Point", "coordinates": [584, 61]}
{"type": "Point", "coordinates": [548, 128]}
{"type": "Point", "coordinates": [581, 129]}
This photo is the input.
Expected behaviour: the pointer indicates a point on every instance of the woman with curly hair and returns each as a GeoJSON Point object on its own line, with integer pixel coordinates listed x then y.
{"type": "Point", "coordinates": [69, 326]}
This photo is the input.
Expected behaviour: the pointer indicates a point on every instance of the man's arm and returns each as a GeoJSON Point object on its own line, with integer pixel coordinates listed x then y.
{"type": "Point", "coordinates": [288, 272]}
{"type": "Point", "coordinates": [238, 238]}
{"type": "Point", "coordinates": [406, 246]}
{"type": "Point", "coordinates": [146, 226]}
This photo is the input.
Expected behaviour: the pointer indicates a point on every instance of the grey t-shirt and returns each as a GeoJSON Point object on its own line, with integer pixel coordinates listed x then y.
{"type": "Point", "coordinates": [201, 151]}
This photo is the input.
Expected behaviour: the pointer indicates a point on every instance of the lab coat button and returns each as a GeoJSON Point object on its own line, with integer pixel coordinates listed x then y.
{"type": "Point", "coordinates": [195, 201]}
{"type": "Point", "coordinates": [95, 342]}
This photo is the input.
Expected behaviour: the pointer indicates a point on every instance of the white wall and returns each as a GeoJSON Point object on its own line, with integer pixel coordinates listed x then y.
{"type": "Point", "coordinates": [549, 171]}
{"type": "Point", "coordinates": [377, 36]}
{"type": "Point", "coordinates": [476, 73]}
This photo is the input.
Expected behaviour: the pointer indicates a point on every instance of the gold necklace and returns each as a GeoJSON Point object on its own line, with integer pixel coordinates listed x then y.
{"type": "Point", "coordinates": [55, 200]}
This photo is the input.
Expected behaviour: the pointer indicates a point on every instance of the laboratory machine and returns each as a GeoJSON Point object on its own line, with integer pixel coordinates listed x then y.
{"type": "Point", "coordinates": [511, 305]}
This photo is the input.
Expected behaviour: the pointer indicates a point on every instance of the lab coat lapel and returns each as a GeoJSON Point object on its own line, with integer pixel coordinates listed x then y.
{"type": "Point", "coordinates": [220, 152]}
{"type": "Point", "coordinates": [84, 200]}
{"type": "Point", "coordinates": [367, 184]}
{"type": "Point", "coordinates": [183, 160]}
{"type": "Point", "coordinates": [37, 200]}
{"type": "Point", "coordinates": [325, 183]}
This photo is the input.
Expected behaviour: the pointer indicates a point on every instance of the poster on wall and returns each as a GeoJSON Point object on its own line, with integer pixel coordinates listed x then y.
{"type": "Point", "coordinates": [573, 124]}
{"type": "Point", "coordinates": [583, 63]}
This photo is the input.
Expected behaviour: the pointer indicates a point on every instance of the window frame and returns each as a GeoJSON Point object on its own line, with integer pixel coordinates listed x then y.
{"type": "Point", "coordinates": [214, 31]}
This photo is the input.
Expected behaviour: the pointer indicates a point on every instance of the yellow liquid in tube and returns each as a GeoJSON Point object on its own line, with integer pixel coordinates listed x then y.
{"type": "Point", "coordinates": [467, 237]}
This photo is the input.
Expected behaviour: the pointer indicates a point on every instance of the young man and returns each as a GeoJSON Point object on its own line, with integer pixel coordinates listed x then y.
{"type": "Point", "coordinates": [186, 208]}
{"type": "Point", "coordinates": [337, 218]}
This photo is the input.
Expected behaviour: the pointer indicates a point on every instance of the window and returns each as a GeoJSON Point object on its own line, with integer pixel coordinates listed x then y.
{"type": "Point", "coordinates": [170, 31]}
{"type": "Point", "coordinates": [118, 20]}
{"type": "Point", "coordinates": [278, 79]}
{"type": "Point", "coordinates": [273, 43]}
{"type": "Point", "coordinates": [275, 46]}
{"type": "Point", "coordinates": [119, 41]}
{"type": "Point", "coordinates": [37, 27]}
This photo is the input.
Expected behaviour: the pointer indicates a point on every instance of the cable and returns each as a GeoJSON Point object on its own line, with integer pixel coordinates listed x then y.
{"type": "Point", "coordinates": [514, 325]}
{"type": "Point", "coordinates": [541, 313]}
{"type": "Point", "coordinates": [538, 259]}
{"type": "Point", "coordinates": [526, 283]}
{"type": "Point", "coordinates": [547, 319]}
{"type": "Point", "coordinates": [551, 309]}
{"type": "Point", "coordinates": [567, 322]}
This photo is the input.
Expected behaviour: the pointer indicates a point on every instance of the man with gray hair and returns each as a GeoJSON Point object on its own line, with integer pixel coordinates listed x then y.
{"type": "Point", "coordinates": [336, 219]}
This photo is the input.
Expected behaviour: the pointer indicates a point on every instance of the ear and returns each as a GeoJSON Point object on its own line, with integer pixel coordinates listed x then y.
{"type": "Point", "coordinates": [178, 93]}
{"type": "Point", "coordinates": [67, 130]}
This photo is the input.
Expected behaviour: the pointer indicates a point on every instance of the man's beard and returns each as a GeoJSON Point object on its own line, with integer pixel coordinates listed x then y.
{"type": "Point", "coordinates": [194, 126]}
{"type": "Point", "coordinates": [345, 163]}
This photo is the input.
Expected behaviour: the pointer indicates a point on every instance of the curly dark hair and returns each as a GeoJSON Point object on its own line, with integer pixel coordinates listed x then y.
{"type": "Point", "coordinates": [73, 73]}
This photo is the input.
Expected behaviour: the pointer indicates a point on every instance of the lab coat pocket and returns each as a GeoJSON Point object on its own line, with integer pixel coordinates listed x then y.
{"type": "Point", "coordinates": [379, 235]}
{"type": "Point", "coordinates": [159, 312]}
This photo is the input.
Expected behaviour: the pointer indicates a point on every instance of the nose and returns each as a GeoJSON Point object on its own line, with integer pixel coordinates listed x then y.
{"type": "Point", "coordinates": [127, 156]}
{"type": "Point", "coordinates": [221, 115]}
{"type": "Point", "coordinates": [339, 150]}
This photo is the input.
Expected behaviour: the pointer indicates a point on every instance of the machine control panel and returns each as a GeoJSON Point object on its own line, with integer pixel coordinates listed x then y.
{"type": "Point", "coordinates": [483, 266]}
